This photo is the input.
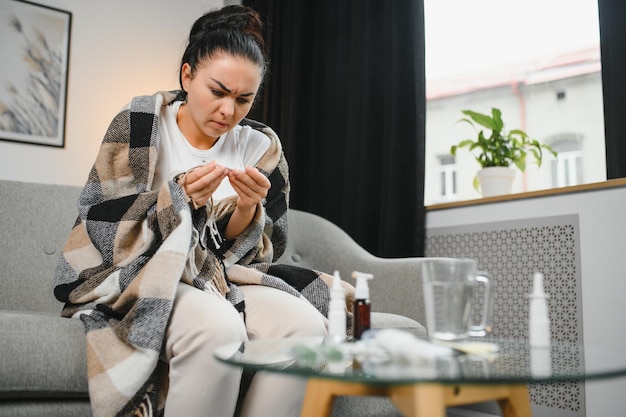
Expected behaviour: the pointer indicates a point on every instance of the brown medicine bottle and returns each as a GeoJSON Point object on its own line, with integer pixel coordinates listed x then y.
{"type": "Point", "coordinates": [361, 308]}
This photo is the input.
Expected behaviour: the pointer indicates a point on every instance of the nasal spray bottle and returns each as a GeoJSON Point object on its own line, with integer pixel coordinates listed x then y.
{"type": "Point", "coordinates": [336, 313]}
{"type": "Point", "coordinates": [361, 306]}
{"type": "Point", "coordinates": [539, 322]}
{"type": "Point", "coordinates": [539, 330]}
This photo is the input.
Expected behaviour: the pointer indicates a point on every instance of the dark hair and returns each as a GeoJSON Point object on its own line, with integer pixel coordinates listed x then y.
{"type": "Point", "coordinates": [234, 29]}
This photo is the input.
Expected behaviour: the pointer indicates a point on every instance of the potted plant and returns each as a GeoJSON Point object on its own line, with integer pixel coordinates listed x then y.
{"type": "Point", "coordinates": [498, 152]}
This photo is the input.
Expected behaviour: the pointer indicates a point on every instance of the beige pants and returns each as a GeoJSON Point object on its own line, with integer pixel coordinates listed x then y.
{"type": "Point", "coordinates": [201, 386]}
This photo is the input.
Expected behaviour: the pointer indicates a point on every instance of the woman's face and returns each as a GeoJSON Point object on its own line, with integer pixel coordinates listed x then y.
{"type": "Point", "coordinates": [219, 94]}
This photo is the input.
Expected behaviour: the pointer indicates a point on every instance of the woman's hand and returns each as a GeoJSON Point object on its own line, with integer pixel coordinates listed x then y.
{"type": "Point", "coordinates": [200, 183]}
{"type": "Point", "coordinates": [251, 186]}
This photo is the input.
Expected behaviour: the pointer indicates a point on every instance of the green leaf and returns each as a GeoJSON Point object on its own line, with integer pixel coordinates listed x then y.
{"type": "Point", "coordinates": [549, 149]}
{"type": "Point", "coordinates": [464, 143]}
{"type": "Point", "coordinates": [520, 162]}
{"type": "Point", "coordinates": [538, 155]}
{"type": "Point", "coordinates": [496, 115]}
{"type": "Point", "coordinates": [519, 132]}
{"type": "Point", "coordinates": [468, 121]}
{"type": "Point", "coordinates": [481, 119]}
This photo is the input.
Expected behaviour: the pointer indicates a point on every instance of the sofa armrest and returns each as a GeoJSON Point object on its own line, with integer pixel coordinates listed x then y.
{"type": "Point", "coordinates": [314, 242]}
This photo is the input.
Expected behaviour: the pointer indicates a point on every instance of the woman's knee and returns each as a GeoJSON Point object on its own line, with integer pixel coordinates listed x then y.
{"type": "Point", "coordinates": [308, 322]}
{"type": "Point", "coordinates": [274, 313]}
{"type": "Point", "coordinates": [206, 318]}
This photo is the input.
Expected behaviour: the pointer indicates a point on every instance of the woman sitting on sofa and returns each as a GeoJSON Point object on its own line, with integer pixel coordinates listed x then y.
{"type": "Point", "coordinates": [180, 220]}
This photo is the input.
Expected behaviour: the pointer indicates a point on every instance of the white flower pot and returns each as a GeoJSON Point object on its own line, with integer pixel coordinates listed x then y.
{"type": "Point", "coordinates": [496, 180]}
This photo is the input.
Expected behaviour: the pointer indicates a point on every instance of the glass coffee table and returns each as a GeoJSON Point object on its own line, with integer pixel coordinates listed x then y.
{"type": "Point", "coordinates": [424, 386]}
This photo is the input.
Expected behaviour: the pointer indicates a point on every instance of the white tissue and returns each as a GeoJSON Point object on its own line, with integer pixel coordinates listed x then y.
{"type": "Point", "coordinates": [404, 347]}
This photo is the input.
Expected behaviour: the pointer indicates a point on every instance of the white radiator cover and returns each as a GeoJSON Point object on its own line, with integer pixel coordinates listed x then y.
{"type": "Point", "coordinates": [599, 227]}
{"type": "Point", "coordinates": [511, 252]}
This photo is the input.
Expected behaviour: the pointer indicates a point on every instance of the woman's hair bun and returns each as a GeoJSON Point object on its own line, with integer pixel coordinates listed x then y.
{"type": "Point", "coordinates": [231, 18]}
{"type": "Point", "coordinates": [234, 29]}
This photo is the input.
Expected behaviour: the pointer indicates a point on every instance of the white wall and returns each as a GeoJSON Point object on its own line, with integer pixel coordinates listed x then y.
{"type": "Point", "coordinates": [118, 49]}
{"type": "Point", "coordinates": [602, 225]}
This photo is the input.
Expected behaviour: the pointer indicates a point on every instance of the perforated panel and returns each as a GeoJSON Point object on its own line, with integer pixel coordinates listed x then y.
{"type": "Point", "coordinates": [512, 252]}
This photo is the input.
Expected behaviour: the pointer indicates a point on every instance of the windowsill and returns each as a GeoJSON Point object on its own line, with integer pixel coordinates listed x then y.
{"type": "Point", "coordinates": [615, 183]}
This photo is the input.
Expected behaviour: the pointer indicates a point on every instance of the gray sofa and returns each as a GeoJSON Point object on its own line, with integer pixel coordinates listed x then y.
{"type": "Point", "coordinates": [42, 356]}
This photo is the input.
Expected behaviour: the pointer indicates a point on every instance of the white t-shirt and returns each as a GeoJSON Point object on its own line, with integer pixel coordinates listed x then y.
{"type": "Point", "coordinates": [238, 148]}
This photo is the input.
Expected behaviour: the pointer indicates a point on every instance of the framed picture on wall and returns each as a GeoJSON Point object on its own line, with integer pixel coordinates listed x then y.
{"type": "Point", "coordinates": [34, 51]}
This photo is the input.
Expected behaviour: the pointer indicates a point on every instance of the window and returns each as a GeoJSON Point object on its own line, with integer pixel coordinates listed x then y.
{"type": "Point", "coordinates": [546, 81]}
{"type": "Point", "coordinates": [447, 178]}
{"type": "Point", "coordinates": [567, 169]}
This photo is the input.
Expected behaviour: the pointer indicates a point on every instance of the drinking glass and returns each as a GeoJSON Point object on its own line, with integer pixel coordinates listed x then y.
{"type": "Point", "coordinates": [449, 295]}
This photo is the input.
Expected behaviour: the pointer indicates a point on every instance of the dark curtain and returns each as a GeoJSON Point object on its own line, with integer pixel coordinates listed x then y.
{"type": "Point", "coordinates": [613, 50]}
{"type": "Point", "coordinates": [346, 94]}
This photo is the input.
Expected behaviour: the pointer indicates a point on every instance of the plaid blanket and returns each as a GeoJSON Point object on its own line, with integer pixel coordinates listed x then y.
{"type": "Point", "coordinates": [131, 246]}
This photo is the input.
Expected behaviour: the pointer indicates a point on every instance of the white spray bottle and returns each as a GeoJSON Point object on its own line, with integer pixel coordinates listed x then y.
{"type": "Point", "coordinates": [361, 309]}
{"type": "Point", "coordinates": [539, 321]}
{"type": "Point", "coordinates": [337, 312]}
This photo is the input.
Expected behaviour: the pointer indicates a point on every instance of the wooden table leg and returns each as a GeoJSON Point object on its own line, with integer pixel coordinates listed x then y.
{"type": "Point", "coordinates": [513, 399]}
{"type": "Point", "coordinates": [321, 393]}
{"type": "Point", "coordinates": [517, 404]}
{"type": "Point", "coordinates": [318, 400]}
{"type": "Point", "coordinates": [419, 400]}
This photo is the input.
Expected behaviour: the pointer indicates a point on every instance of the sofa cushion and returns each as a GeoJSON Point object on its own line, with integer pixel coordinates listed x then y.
{"type": "Point", "coordinates": [45, 408]}
{"type": "Point", "coordinates": [395, 321]}
{"type": "Point", "coordinates": [43, 356]}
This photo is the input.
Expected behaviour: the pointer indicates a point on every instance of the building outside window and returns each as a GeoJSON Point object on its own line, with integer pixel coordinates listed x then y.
{"type": "Point", "coordinates": [545, 81]}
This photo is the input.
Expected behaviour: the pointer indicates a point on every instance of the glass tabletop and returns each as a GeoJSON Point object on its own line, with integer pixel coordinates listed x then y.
{"type": "Point", "coordinates": [510, 362]}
